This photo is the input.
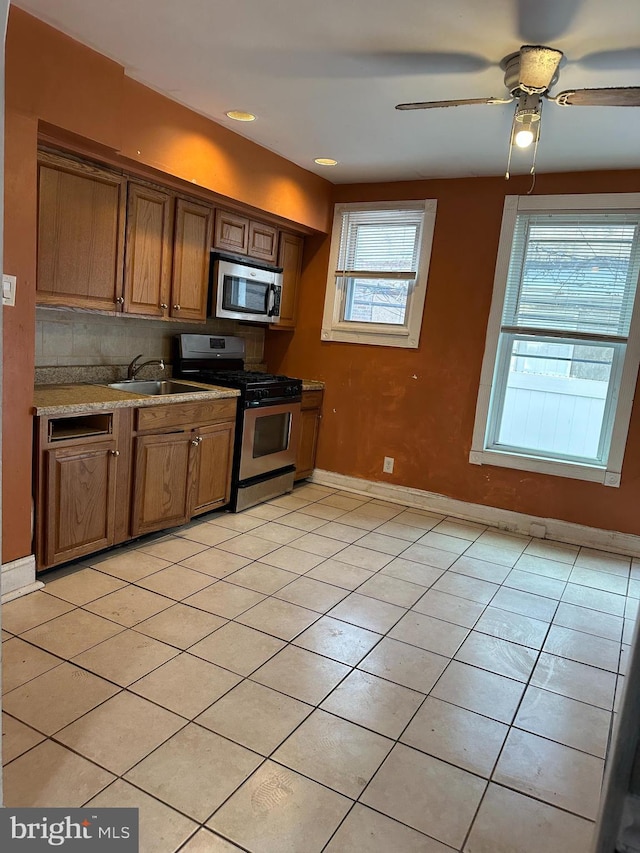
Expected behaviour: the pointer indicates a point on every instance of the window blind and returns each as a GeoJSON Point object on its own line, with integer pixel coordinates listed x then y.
{"type": "Point", "coordinates": [573, 274]}
{"type": "Point", "coordinates": [380, 241]}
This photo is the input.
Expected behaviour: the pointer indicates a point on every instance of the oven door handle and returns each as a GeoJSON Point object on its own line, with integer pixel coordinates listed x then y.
{"type": "Point", "coordinates": [271, 300]}
{"type": "Point", "coordinates": [274, 401]}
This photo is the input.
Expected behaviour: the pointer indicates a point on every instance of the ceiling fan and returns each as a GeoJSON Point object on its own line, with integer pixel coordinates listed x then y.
{"type": "Point", "coordinates": [529, 73]}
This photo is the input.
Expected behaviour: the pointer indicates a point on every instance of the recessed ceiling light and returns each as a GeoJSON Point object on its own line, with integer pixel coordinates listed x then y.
{"type": "Point", "coordinates": [240, 115]}
{"type": "Point", "coordinates": [325, 161]}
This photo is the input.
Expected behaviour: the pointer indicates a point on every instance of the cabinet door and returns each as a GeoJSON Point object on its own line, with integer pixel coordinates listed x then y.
{"type": "Point", "coordinates": [306, 458]}
{"type": "Point", "coordinates": [290, 259]}
{"type": "Point", "coordinates": [147, 276]}
{"type": "Point", "coordinates": [80, 500]}
{"type": "Point", "coordinates": [81, 213]}
{"type": "Point", "coordinates": [190, 283]}
{"type": "Point", "coordinates": [232, 232]}
{"type": "Point", "coordinates": [263, 242]}
{"type": "Point", "coordinates": [163, 481]}
{"type": "Point", "coordinates": [213, 467]}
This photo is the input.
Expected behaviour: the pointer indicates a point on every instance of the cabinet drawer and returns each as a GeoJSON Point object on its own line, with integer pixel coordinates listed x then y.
{"type": "Point", "coordinates": [311, 399]}
{"type": "Point", "coordinates": [158, 418]}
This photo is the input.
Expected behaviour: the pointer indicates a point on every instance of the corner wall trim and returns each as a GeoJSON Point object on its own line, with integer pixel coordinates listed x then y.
{"type": "Point", "coordinates": [18, 578]}
{"type": "Point", "coordinates": [504, 519]}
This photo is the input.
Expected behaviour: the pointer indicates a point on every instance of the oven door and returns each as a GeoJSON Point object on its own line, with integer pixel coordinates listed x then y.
{"type": "Point", "coordinates": [270, 437]}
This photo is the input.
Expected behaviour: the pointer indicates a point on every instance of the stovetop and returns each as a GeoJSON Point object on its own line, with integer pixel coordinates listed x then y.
{"type": "Point", "coordinates": [215, 360]}
{"type": "Point", "coordinates": [254, 386]}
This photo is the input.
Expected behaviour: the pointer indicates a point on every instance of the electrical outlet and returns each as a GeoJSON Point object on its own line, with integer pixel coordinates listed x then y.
{"type": "Point", "coordinates": [387, 465]}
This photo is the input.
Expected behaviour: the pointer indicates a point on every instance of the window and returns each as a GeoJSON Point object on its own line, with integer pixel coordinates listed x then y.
{"type": "Point", "coordinates": [378, 273]}
{"type": "Point", "coordinates": [561, 356]}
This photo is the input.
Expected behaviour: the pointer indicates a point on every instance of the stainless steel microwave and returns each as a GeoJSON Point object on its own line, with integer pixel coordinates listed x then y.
{"type": "Point", "coordinates": [245, 291]}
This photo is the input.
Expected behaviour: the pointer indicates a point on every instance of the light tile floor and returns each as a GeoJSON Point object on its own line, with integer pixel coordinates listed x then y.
{"type": "Point", "coordinates": [324, 672]}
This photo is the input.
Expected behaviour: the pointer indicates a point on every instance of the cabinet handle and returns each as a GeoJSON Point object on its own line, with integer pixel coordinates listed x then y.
{"type": "Point", "coordinates": [115, 452]}
{"type": "Point", "coordinates": [120, 300]}
{"type": "Point", "coordinates": [176, 307]}
{"type": "Point", "coordinates": [196, 441]}
{"type": "Point", "coordinates": [163, 305]}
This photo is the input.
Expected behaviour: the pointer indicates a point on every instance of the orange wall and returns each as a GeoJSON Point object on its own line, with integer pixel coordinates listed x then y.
{"type": "Point", "coordinates": [419, 405]}
{"type": "Point", "coordinates": [18, 324]}
{"type": "Point", "coordinates": [52, 79]}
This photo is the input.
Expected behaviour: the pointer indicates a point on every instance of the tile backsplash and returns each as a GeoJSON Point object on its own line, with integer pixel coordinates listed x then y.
{"type": "Point", "coordinates": [66, 338]}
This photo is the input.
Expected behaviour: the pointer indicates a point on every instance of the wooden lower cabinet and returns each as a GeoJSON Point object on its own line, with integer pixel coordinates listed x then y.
{"type": "Point", "coordinates": [178, 475]}
{"type": "Point", "coordinates": [213, 467]}
{"type": "Point", "coordinates": [104, 477]}
{"type": "Point", "coordinates": [310, 417]}
{"type": "Point", "coordinates": [162, 481]}
{"type": "Point", "coordinates": [79, 500]}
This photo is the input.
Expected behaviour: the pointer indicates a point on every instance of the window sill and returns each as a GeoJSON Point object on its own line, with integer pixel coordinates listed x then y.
{"type": "Point", "coordinates": [554, 467]}
{"type": "Point", "coordinates": [401, 340]}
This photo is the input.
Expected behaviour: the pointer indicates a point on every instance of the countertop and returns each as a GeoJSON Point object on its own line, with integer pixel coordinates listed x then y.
{"type": "Point", "coordinates": [70, 399]}
{"type": "Point", "coordinates": [312, 385]}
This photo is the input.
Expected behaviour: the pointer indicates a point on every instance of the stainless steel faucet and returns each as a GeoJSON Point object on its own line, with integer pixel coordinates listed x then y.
{"type": "Point", "coordinates": [134, 368]}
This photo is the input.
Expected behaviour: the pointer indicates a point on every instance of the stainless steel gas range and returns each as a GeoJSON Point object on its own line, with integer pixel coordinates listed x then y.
{"type": "Point", "coordinates": [268, 425]}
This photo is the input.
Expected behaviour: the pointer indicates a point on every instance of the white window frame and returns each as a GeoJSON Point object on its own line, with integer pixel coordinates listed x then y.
{"type": "Point", "coordinates": [610, 474]}
{"type": "Point", "coordinates": [335, 328]}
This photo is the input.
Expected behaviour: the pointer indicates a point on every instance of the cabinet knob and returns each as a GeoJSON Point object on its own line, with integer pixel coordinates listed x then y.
{"type": "Point", "coordinates": [176, 307]}
{"type": "Point", "coordinates": [196, 441]}
{"type": "Point", "coordinates": [115, 453]}
{"type": "Point", "coordinates": [163, 305]}
{"type": "Point", "coordinates": [120, 300]}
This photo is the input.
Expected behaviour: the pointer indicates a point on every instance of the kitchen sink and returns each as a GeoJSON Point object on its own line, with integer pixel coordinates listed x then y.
{"type": "Point", "coordinates": [155, 387]}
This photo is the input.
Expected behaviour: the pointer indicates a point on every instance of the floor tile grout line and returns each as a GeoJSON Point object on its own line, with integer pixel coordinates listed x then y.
{"type": "Point", "coordinates": [353, 667]}
{"type": "Point", "coordinates": [290, 641]}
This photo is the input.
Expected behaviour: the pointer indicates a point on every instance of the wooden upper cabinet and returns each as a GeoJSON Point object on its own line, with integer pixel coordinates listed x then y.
{"type": "Point", "coordinates": [290, 259]}
{"type": "Point", "coordinates": [243, 236]}
{"type": "Point", "coordinates": [190, 280]}
{"type": "Point", "coordinates": [263, 242]}
{"type": "Point", "coordinates": [81, 218]}
{"type": "Point", "coordinates": [232, 232]}
{"type": "Point", "coordinates": [147, 285]}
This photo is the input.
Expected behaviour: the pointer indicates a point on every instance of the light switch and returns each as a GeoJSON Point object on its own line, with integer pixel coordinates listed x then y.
{"type": "Point", "coordinates": [8, 290]}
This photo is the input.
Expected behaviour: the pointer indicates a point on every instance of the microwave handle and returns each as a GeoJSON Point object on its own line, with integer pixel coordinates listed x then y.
{"type": "Point", "coordinates": [271, 299]}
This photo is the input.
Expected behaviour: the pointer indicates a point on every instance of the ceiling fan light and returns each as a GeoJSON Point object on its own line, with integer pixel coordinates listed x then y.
{"type": "Point", "coordinates": [524, 137]}
{"type": "Point", "coordinates": [526, 121]}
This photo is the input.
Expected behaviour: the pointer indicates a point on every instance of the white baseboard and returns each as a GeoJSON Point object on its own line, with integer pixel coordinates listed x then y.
{"type": "Point", "coordinates": [18, 578]}
{"type": "Point", "coordinates": [504, 519]}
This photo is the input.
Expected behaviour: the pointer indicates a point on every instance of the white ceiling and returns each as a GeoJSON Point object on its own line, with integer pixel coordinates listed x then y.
{"type": "Point", "coordinates": [324, 77]}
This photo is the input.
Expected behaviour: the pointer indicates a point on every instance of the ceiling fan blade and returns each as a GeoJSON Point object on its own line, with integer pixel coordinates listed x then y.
{"type": "Point", "coordinates": [543, 21]}
{"type": "Point", "coordinates": [432, 105]}
{"type": "Point", "coordinates": [626, 59]}
{"type": "Point", "coordinates": [538, 67]}
{"type": "Point", "coordinates": [621, 96]}
{"type": "Point", "coordinates": [426, 62]}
